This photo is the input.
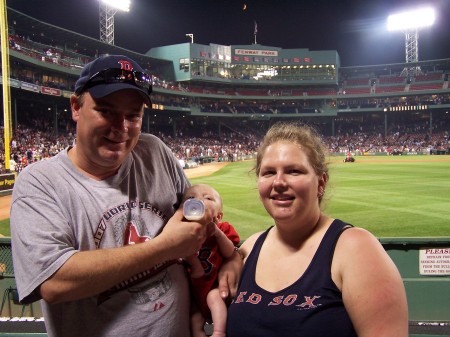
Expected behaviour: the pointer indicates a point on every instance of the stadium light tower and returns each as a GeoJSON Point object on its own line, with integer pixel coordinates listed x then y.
{"type": "Point", "coordinates": [108, 8]}
{"type": "Point", "coordinates": [410, 22]}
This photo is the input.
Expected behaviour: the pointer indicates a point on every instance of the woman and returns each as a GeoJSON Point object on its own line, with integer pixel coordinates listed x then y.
{"type": "Point", "coordinates": [311, 275]}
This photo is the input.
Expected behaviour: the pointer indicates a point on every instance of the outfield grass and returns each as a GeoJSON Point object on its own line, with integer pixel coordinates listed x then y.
{"type": "Point", "coordinates": [406, 196]}
{"type": "Point", "coordinates": [4, 227]}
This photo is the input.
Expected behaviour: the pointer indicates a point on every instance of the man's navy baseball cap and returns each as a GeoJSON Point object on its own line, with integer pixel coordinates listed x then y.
{"type": "Point", "coordinates": [109, 74]}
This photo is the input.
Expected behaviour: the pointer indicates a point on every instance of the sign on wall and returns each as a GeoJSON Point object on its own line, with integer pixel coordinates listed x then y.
{"type": "Point", "coordinates": [434, 261]}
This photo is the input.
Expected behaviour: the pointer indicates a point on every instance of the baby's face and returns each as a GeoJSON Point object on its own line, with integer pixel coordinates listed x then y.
{"type": "Point", "coordinates": [209, 196]}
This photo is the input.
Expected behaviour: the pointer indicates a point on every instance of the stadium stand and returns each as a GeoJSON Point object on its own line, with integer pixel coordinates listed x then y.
{"type": "Point", "coordinates": [392, 88]}
{"type": "Point", "coordinates": [438, 76]}
{"type": "Point", "coordinates": [426, 86]}
{"type": "Point", "coordinates": [391, 80]}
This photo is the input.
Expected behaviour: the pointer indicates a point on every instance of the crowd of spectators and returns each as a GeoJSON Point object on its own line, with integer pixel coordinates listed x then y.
{"type": "Point", "coordinates": [35, 141]}
{"type": "Point", "coordinates": [396, 143]}
{"type": "Point", "coordinates": [30, 144]}
{"type": "Point", "coordinates": [230, 146]}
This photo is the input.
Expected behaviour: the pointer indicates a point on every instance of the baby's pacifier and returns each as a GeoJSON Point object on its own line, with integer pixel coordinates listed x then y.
{"type": "Point", "coordinates": [193, 209]}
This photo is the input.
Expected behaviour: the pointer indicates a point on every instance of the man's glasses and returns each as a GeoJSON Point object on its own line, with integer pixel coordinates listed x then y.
{"type": "Point", "coordinates": [114, 75]}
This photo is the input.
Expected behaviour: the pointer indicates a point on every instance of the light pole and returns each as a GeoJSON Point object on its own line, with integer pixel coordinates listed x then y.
{"type": "Point", "coordinates": [108, 8]}
{"type": "Point", "coordinates": [410, 22]}
{"type": "Point", "coordinates": [191, 36]}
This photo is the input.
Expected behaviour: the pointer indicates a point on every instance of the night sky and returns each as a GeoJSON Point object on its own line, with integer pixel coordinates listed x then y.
{"type": "Point", "coordinates": [355, 28]}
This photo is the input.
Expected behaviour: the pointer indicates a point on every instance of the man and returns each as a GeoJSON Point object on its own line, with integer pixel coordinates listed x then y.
{"type": "Point", "coordinates": [95, 231]}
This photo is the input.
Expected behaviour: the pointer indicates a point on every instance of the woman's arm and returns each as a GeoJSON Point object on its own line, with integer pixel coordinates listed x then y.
{"type": "Point", "coordinates": [371, 285]}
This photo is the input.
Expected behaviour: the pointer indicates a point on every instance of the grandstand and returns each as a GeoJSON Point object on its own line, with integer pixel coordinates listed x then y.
{"type": "Point", "coordinates": [221, 86]}
{"type": "Point", "coordinates": [236, 91]}
{"type": "Point", "coordinates": [218, 100]}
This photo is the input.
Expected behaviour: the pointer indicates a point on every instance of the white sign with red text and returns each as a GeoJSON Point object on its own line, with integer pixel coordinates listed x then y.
{"type": "Point", "coordinates": [434, 261]}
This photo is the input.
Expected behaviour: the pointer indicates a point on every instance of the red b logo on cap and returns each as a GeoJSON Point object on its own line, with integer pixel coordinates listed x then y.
{"type": "Point", "coordinates": [125, 65]}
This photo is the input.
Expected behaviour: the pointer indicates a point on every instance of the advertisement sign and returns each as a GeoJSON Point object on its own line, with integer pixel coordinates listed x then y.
{"type": "Point", "coordinates": [7, 181]}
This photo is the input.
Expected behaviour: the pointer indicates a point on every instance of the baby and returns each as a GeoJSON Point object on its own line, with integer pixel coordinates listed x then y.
{"type": "Point", "coordinates": [204, 267]}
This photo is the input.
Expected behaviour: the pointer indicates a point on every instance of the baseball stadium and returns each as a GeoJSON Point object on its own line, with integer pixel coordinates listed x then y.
{"type": "Point", "coordinates": [386, 128]}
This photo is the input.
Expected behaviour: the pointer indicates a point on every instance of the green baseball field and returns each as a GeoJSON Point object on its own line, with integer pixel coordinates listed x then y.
{"type": "Point", "coordinates": [396, 196]}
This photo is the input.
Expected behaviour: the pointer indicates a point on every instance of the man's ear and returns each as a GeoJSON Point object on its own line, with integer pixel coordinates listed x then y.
{"type": "Point", "coordinates": [75, 107]}
{"type": "Point", "coordinates": [220, 216]}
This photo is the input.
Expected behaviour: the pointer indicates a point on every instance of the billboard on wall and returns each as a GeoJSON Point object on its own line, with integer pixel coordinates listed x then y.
{"type": "Point", "coordinates": [7, 182]}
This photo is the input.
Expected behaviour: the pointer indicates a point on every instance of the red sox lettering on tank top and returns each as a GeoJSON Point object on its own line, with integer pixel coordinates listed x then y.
{"type": "Point", "coordinates": [312, 306]}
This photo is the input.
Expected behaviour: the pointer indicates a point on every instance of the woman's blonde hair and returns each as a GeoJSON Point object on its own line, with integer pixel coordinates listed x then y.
{"type": "Point", "coordinates": [301, 134]}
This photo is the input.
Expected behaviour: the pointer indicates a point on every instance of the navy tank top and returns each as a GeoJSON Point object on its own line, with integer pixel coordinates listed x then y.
{"type": "Point", "coordinates": [312, 306]}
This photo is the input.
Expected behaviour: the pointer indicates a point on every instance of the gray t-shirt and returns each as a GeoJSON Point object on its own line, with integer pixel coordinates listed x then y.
{"type": "Point", "coordinates": [57, 211]}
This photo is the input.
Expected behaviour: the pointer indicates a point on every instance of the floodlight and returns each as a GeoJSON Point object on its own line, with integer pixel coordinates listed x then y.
{"type": "Point", "coordinates": [410, 22]}
{"type": "Point", "coordinates": [108, 9]}
{"type": "Point", "coordinates": [415, 19]}
{"type": "Point", "coordinates": [123, 5]}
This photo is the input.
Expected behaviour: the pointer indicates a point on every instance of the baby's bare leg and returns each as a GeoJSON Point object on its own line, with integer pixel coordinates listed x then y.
{"type": "Point", "coordinates": [218, 312]}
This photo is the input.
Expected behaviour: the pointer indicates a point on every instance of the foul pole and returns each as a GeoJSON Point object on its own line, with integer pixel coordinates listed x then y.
{"type": "Point", "coordinates": [7, 127]}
